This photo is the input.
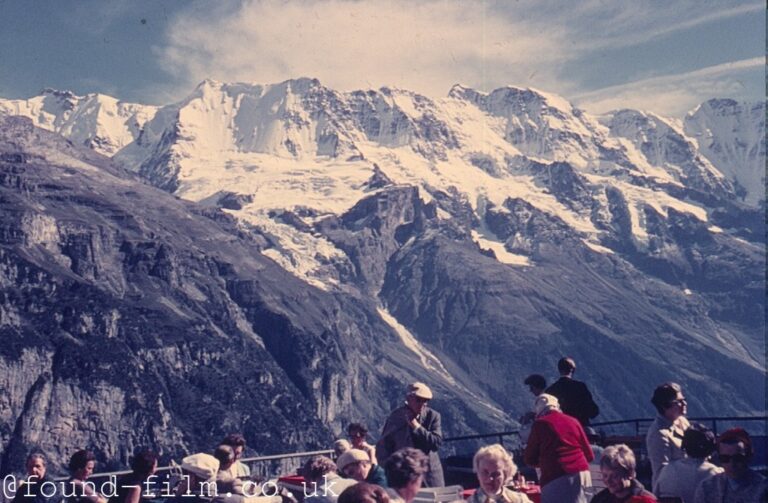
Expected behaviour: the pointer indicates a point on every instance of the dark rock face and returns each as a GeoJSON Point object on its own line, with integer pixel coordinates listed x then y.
{"type": "Point", "coordinates": [130, 318]}
{"type": "Point", "coordinates": [117, 327]}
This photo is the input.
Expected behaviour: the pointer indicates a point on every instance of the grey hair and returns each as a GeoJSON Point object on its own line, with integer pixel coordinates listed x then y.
{"type": "Point", "coordinates": [498, 453]}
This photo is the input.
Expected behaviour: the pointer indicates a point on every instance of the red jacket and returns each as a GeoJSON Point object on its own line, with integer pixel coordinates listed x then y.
{"type": "Point", "coordinates": [558, 446]}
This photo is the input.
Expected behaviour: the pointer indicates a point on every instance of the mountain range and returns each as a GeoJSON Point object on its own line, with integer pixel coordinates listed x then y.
{"type": "Point", "coordinates": [280, 259]}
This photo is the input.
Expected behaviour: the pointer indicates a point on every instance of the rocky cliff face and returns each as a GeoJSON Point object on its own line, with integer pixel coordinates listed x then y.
{"type": "Point", "coordinates": [130, 318]}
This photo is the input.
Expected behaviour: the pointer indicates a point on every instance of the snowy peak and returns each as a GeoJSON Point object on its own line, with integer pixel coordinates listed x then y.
{"type": "Point", "coordinates": [540, 125]}
{"type": "Point", "coordinates": [731, 135]}
{"type": "Point", "coordinates": [663, 144]}
{"type": "Point", "coordinates": [96, 121]}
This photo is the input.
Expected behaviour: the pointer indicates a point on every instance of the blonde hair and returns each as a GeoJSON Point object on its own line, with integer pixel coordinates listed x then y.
{"type": "Point", "coordinates": [498, 453]}
{"type": "Point", "coordinates": [619, 458]}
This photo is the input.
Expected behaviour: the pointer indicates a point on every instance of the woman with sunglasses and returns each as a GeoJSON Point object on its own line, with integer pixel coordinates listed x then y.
{"type": "Point", "coordinates": [738, 483]}
{"type": "Point", "coordinates": [664, 440]}
{"type": "Point", "coordinates": [357, 433]}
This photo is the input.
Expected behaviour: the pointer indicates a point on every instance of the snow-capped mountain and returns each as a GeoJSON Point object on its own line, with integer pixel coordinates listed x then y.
{"type": "Point", "coordinates": [96, 121]}
{"type": "Point", "coordinates": [482, 235]}
{"type": "Point", "coordinates": [731, 135]}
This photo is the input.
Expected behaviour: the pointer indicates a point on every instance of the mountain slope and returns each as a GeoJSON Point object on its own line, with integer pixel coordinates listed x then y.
{"type": "Point", "coordinates": [474, 239]}
{"type": "Point", "coordinates": [132, 318]}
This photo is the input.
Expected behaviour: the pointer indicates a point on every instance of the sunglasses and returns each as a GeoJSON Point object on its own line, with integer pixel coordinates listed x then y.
{"type": "Point", "coordinates": [681, 401]}
{"type": "Point", "coordinates": [732, 458]}
{"type": "Point", "coordinates": [421, 400]}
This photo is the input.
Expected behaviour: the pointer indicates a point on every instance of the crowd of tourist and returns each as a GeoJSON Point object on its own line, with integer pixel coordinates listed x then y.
{"type": "Point", "coordinates": [558, 444]}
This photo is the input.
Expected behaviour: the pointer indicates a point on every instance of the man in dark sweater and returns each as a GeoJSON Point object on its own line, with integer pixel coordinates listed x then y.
{"type": "Point", "coordinates": [574, 396]}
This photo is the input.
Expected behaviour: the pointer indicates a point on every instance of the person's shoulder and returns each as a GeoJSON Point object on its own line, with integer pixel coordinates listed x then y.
{"type": "Point", "coordinates": [515, 497]}
{"type": "Point", "coordinates": [712, 481]}
{"type": "Point", "coordinates": [602, 497]}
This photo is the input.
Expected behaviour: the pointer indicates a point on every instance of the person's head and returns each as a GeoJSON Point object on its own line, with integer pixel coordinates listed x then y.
{"type": "Point", "coordinates": [226, 456]}
{"type": "Point", "coordinates": [734, 450]}
{"type": "Point", "coordinates": [35, 465]}
{"type": "Point", "coordinates": [357, 433]}
{"type": "Point", "coordinates": [405, 471]}
{"type": "Point", "coordinates": [200, 468]}
{"type": "Point", "coordinates": [417, 395]}
{"type": "Point", "coordinates": [317, 467]}
{"type": "Point", "coordinates": [82, 464]}
{"type": "Point", "coordinates": [544, 404]}
{"type": "Point", "coordinates": [354, 464]}
{"type": "Point", "coordinates": [566, 366]}
{"type": "Point", "coordinates": [669, 400]}
{"type": "Point", "coordinates": [494, 467]}
{"type": "Point", "coordinates": [144, 463]}
{"type": "Point", "coordinates": [698, 441]}
{"type": "Point", "coordinates": [237, 442]}
{"type": "Point", "coordinates": [341, 446]}
{"type": "Point", "coordinates": [617, 466]}
{"type": "Point", "coordinates": [363, 492]}
{"type": "Point", "coordinates": [536, 384]}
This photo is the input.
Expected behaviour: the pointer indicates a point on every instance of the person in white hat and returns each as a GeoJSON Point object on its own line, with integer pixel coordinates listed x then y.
{"type": "Point", "coordinates": [415, 425]}
{"type": "Point", "coordinates": [199, 481]}
{"type": "Point", "coordinates": [356, 464]}
{"type": "Point", "coordinates": [560, 448]}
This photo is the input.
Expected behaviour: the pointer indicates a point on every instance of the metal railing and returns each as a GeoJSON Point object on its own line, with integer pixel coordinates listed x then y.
{"type": "Point", "coordinates": [254, 459]}
{"type": "Point", "coordinates": [636, 423]}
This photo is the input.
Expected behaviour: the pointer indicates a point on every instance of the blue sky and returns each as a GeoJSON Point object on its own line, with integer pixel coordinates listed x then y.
{"type": "Point", "coordinates": [601, 54]}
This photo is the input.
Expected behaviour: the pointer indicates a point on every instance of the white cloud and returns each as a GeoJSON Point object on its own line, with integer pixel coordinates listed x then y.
{"type": "Point", "coordinates": [596, 25]}
{"type": "Point", "coordinates": [429, 45]}
{"type": "Point", "coordinates": [425, 46]}
{"type": "Point", "coordinates": [674, 95]}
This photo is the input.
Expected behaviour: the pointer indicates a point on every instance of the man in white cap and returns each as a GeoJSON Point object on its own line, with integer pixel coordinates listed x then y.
{"type": "Point", "coordinates": [414, 425]}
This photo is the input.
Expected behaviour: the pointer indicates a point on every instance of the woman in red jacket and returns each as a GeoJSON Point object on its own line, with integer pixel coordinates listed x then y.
{"type": "Point", "coordinates": [559, 447]}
